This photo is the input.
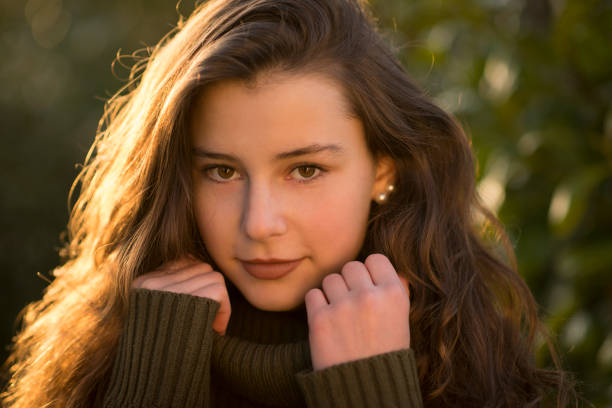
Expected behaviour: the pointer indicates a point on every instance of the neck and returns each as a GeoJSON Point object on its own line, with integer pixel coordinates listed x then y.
{"type": "Point", "coordinates": [260, 326]}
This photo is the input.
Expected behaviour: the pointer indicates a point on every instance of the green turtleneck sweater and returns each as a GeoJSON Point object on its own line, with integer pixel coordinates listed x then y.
{"type": "Point", "coordinates": [169, 356]}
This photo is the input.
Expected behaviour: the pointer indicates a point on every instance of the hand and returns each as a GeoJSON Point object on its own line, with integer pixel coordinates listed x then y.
{"type": "Point", "coordinates": [191, 277]}
{"type": "Point", "coordinates": [359, 313]}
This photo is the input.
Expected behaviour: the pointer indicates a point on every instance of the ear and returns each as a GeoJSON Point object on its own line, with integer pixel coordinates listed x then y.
{"type": "Point", "coordinates": [385, 177]}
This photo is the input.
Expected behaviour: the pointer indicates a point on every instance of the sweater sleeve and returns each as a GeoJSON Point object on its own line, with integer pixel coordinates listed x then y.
{"type": "Point", "coordinates": [164, 353]}
{"type": "Point", "coordinates": [384, 380]}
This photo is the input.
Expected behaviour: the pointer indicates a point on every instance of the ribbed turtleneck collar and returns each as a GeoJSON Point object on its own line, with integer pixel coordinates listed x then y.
{"type": "Point", "coordinates": [261, 353]}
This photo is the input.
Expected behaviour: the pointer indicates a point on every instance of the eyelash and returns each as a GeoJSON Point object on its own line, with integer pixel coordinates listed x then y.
{"type": "Point", "coordinates": [319, 171]}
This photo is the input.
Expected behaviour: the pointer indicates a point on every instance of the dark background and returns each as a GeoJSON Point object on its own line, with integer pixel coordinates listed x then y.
{"type": "Point", "coordinates": [530, 81]}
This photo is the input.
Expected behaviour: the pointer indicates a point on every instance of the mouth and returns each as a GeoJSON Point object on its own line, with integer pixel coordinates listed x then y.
{"type": "Point", "coordinates": [269, 269]}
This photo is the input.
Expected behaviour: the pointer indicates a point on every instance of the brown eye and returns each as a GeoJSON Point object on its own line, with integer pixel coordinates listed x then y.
{"type": "Point", "coordinates": [307, 171]}
{"type": "Point", "coordinates": [225, 172]}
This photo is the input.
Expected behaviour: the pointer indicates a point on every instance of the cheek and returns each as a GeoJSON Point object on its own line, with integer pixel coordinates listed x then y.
{"type": "Point", "coordinates": [337, 222]}
{"type": "Point", "coordinates": [213, 218]}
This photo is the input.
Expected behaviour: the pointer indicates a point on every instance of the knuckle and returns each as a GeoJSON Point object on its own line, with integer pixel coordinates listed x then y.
{"type": "Point", "coordinates": [216, 276]}
{"type": "Point", "coordinates": [350, 271]}
{"type": "Point", "coordinates": [369, 298]}
{"type": "Point", "coordinates": [310, 295]}
{"type": "Point", "coordinates": [148, 283]}
{"type": "Point", "coordinates": [320, 322]}
{"type": "Point", "coordinates": [331, 278]}
{"type": "Point", "coordinates": [344, 308]}
{"type": "Point", "coordinates": [375, 257]}
{"type": "Point", "coordinates": [137, 282]}
{"type": "Point", "coordinates": [376, 260]}
{"type": "Point", "coordinates": [351, 266]}
{"type": "Point", "coordinates": [203, 266]}
{"type": "Point", "coordinates": [214, 291]}
{"type": "Point", "coordinates": [396, 292]}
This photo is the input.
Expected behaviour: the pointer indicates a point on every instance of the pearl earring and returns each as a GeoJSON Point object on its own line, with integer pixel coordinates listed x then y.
{"type": "Point", "coordinates": [382, 197]}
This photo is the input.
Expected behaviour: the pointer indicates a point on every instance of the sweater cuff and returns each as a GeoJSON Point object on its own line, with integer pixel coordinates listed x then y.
{"type": "Point", "coordinates": [163, 358]}
{"type": "Point", "coordinates": [384, 380]}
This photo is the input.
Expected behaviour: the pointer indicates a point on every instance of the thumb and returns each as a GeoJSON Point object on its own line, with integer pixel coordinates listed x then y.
{"type": "Point", "coordinates": [222, 318]}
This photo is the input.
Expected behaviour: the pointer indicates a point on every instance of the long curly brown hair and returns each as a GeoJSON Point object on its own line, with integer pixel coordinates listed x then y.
{"type": "Point", "coordinates": [474, 321]}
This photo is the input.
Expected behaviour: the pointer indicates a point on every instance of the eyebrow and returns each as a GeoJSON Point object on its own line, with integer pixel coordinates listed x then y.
{"type": "Point", "coordinates": [302, 151]}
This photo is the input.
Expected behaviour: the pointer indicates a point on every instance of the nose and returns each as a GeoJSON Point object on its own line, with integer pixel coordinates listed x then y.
{"type": "Point", "coordinates": [262, 216]}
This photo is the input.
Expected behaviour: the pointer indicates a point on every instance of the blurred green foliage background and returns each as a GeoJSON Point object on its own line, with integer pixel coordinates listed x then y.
{"type": "Point", "coordinates": [530, 80]}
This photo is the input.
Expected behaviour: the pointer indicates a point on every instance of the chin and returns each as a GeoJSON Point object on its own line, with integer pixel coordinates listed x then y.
{"type": "Point", "coordinates": [274, 303]}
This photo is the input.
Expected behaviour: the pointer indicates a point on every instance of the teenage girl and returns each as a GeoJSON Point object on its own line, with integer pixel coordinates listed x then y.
{"type": "Point", "coordinates": [273, 214]}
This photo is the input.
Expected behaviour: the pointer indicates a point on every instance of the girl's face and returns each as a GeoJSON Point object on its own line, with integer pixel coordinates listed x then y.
{"type": "Point", "coordinates": [283, 182]}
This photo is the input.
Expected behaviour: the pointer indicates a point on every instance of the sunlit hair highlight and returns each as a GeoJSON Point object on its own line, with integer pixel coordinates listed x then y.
{"type": "Point", "coordinates": [473, 319]}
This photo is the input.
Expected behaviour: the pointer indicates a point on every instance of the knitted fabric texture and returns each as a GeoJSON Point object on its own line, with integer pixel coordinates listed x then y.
{"type": "Point", "coordinates": [169, 356]}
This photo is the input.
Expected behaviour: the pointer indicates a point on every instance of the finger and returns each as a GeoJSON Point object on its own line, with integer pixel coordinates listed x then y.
{"type": "Point", "coordinates": [314, 301]}
{"type": "Point", "coordinates": [356, 276]}
{"type": "Point", "coordinates": [381, 270]}
{"type": "Point", "coordinates": [159, 278]}
{"type": "Point", "coordinates": [221, 321]}
{"type": "Point", "coordinates": [217, 291]}
{"type": "Point", "coordinates": [185, 272]}
{"type": "Point", "coordinates": [180, 265]}
{"type": "Point", "coordinates": [194, 282]}
{"type": "Point", "coordinates": [334, 287]}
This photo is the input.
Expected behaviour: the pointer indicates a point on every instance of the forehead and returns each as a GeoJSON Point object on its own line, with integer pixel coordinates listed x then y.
{"type": "Point", "coordinates": [278, 108]}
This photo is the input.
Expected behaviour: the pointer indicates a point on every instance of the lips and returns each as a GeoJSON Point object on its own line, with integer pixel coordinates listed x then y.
{"type": "Point", "coordinates": [269, 269]}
